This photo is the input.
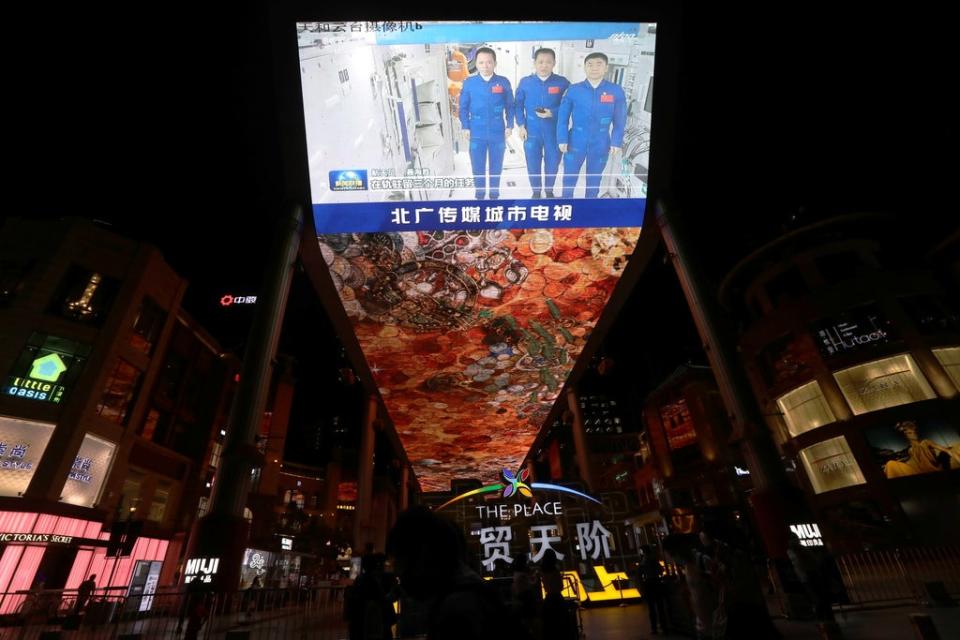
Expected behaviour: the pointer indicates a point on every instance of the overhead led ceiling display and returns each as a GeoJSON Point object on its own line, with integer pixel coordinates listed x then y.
{"type": "Point", "coordinates": [472, 312]}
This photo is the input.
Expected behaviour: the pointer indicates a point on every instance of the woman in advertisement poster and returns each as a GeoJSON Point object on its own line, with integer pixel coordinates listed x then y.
{"type": "Point", "coordinates": [924, 456]}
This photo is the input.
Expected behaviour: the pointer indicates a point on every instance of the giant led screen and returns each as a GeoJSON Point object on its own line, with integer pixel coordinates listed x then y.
{"type": "Point", "coordinates": [477, 190]}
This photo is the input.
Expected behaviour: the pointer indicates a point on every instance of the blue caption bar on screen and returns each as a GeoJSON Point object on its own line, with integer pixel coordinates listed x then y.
{"type": "Point", "coordinates": [439, 33]}
{"type": "Point", "coordinates": [468, 215]}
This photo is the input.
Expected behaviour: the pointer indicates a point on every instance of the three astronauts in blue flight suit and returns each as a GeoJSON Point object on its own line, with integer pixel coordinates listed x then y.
{"type": "Point", "coordinates": [537, 104]}
{"type": "Point", "coordinates": [486, 115]}
{"type": "Point", "coordinates": [590, 124]}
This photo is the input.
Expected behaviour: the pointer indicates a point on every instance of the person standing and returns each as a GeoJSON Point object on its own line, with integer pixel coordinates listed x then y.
{"type": "Point", "coordinates": [537, 105]}
{"type": "Point", "coordinates": [815, 584]}
{"type": "Point", "coordinates": [554, 614]}
{"type": "Point", "coordinates": [590, 125]}
{"type": "Point", "coordinates": [84, 591]}
{"type": "Point", "coordinates": [650, 574]}
{"type": "Point", "coordinates": [486, 115]}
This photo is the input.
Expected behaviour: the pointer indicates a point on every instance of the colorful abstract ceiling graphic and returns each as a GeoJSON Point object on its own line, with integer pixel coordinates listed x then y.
{"type": "Point", "coordinates": [470, 335]}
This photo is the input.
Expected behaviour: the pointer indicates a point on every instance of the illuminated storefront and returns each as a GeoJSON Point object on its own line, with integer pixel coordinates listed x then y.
{"type": "Point", "coordinates": [854, 362]}
{"type": "Point", "coordinates": [34, 544]}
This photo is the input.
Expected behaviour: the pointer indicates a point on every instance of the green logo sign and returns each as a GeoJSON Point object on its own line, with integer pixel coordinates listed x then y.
{"type": "Point", "coordinates": [48, 368]}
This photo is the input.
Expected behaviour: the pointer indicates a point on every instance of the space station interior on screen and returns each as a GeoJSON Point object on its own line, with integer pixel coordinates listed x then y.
{"type": "Point", "coordinates": [420, 119]}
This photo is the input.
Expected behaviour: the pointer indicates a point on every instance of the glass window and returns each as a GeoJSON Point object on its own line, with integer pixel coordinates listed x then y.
{"type": "Point", "coordinates": [156, 427]}
{"type": "Point", "coordinates": [22, 443]}
{"type": "Point", "coordinates": [12, 275]}
{"type": "Point", "coordinates": [786, 286]}
{"type": "Point", "coordinates": [215, 452]}
{"type": "Point", "coordinates": [788, 358]}
{"type": "Point", "coordinates": [883, 383]}
{"type": "Point", "coordinates": [932, 314]}
{"type": "Point", "coordinates": [202, 506]}
{"type": "Point", "coordinates": [837, 267]}
{"type": "Point", "coordinates": [84, 295]}
{"type": "Point", "coordinates": [805, 409]}
{"type": "Point", "coordinates": [161, 497]}
{"type": "Point", "coordinates": [949, 357]}
{"type": "Point", "coordinates": [147, 326]}
{"type": "Point", "coordinates": [119, 392]}
{"type": "Point", "coordinates": [130, 493]}
{"type": "Point", "coordinates": [89, 470]}
{"type": "Point", "coordinates": [830, 465]}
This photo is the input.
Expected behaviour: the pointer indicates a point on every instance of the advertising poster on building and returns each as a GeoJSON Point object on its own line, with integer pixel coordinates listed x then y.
{"type": "Point", "coordinates": [831, 465]}
{"type": "Point", "coordinates": [22, 443]}
{"type": "Point", "coordinates": [88, 472]}
{"type": "Point", "coordinates": [914, 447]}
{"type": "Point", "coordinates": [678, 424]}
{"type": "Point", "coordinates": [477, 190]}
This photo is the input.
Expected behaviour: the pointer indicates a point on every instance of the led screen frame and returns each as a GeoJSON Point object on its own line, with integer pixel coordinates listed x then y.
{"type": "Point", "coordinates": [297, 183]}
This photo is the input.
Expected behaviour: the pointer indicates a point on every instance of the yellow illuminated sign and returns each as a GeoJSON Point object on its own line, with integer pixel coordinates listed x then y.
{"type": "Point", "coordinates": [573, 587]}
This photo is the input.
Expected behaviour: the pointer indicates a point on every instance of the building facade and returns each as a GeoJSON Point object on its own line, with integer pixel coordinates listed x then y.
{"type": "Point", "coordinates": [851, 341]}
{"type": "Point", "coordinates": [111, 404]}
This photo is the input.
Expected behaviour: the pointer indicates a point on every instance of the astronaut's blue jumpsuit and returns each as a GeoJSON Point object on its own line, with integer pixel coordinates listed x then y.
{"type": "Point", "coordinates": [486, 109]}
{"type": "Point", "coordinates": [540, 147]}
{"type": "Point", "coordinates": [590, 122]}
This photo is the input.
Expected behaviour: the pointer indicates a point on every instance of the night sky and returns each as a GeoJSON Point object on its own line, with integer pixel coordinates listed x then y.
{"type": "Point", "coordinates": [159, 121]}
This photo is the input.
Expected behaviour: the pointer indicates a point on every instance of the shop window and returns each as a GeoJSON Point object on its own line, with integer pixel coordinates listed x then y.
{"type": "Point", "coordinates": [130, 494]}
{"type": "Point", "coordinates": [805, 409]}
{"type": "Point", "coordinates": [147, 326]}
{"type": "Point", "coordinates": [830, 465]}
{"type": "Point", "coordinates": [949, 357]}
{"type": "Point", "coordinates": [90, 468]}
{"type": "Point", "coordinates": [119, 392]}
{"type": "Point", "coordinates": [84, 296]}
{"type": "Point", "coordinates": [161, 498]}
{"type": "Point", "coordinates": [883, 383]}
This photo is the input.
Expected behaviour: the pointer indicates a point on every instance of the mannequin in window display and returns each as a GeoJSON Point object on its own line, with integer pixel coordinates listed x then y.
{"type": "Point", "coordinates": [922, 456]}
